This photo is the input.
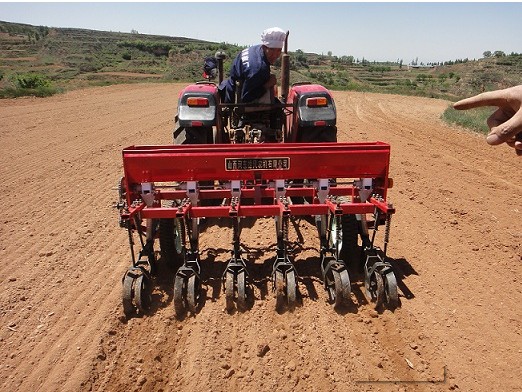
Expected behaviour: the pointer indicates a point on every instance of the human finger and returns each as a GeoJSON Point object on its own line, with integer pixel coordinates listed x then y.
{"type": "Point", "coordinates": [490, 98]}
{"type": "Point", "coordinates": [506, 131]}
{"type": "Point", "coordinates": [518, 144]}
{"type": "Point", "coordinates": [498, 117]}
{"type": "Point", "coordinates": [518, 148]}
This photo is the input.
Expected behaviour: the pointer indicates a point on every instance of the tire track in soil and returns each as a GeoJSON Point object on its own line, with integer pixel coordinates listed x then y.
{"type": "Point", "coordinates": [64, 272]}
{"type": "Point", "coordinates": [467, 233]}
{"type": "Point", "coordinates": [65, 257]}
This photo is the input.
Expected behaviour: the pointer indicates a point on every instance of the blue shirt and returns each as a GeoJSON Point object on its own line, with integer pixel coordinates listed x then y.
{"type": "Point", "coordinates": [252, 67]}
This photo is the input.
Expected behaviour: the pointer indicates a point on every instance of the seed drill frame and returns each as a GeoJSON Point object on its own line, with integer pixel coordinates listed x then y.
{"type": "Point", "coordinates": [167, 189]}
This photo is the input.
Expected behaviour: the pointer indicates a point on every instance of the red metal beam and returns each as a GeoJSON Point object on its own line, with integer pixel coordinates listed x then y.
{"type": "Point", "coordinates": [255, 165]}
{"type": "Point", "coordinates": [255, 161]}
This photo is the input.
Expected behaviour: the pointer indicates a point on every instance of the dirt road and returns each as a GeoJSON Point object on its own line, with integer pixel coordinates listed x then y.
{"type": "Point", "coordinates": [455, 243]}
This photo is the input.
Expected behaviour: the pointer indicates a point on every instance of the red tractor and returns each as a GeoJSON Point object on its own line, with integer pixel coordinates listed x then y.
{"type": "Point", "coordinates": [239, 160]}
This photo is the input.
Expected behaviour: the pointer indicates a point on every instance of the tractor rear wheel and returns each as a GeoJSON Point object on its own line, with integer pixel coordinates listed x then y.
{"type": "Point", "coordinates": [351, 251]}
{"type": "Point", "coordinates": [193, 135]}
{"type": "Point", "coordinates": [170, 242]}
{"type": "Point", "coordinates": [316, 134]}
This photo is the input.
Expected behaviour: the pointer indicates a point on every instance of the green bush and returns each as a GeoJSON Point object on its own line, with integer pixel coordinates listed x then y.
{"type": "Point", "coordinates": [32, 81]}
{"type": "Point", "coordinates": [29, 84]}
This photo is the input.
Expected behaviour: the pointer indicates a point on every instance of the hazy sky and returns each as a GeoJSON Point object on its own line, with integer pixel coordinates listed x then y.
{"type": "Point", "coordinates": [376, 31]}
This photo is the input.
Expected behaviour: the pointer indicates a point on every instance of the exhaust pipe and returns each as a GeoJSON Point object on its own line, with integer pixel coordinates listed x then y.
{"type": "Point", "coordinates": [220, 56]}
{"type": "Point", "coordinates": [285, 71]}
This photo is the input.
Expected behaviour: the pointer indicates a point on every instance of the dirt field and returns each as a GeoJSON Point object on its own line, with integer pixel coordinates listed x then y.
{"type": "Point", "coordinates": [454, 243]}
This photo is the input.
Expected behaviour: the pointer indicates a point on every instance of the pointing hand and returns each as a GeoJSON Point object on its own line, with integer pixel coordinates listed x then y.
{"type": "Point", "coordinates": [505, 123]}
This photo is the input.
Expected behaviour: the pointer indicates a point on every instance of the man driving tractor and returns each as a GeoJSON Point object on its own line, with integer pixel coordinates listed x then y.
{"type": "Point", "coordinates": [251, 67]}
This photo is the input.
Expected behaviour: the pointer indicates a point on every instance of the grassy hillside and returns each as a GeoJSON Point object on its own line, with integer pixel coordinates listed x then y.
{"type": "Point", "coordinates": [40, 60]}
{"type": "Point", "coordinates": [71, 58]}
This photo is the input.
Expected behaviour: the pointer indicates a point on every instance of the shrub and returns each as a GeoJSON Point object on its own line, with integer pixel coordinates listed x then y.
{"type": "Point", "coordinates": [28, 84]}
{"type": "Point", "coordinates": [32, 81]}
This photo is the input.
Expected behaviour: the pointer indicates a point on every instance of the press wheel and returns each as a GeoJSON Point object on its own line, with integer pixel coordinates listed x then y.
{"type": "Point", "coordinates": [330, 281]}
{"type": "Point", "coordinates": [229, 291]}
{"type": "Point", "coordinates": [142, 293]}
{"type": "Point", "coordinates": [379, 289]}
{"type": "Point", "coordinates": [374, 288]}
{"type": "Point", "coordinates": [193, 293]}
{"type": "Point", "coordinates": [279, 289]}
{"type": "Point", "coordinates": [241, 291]}
{"type": "Point", "coordinates": [291, 288]}
{"type": "Point", "coordinates": [179, 300]}
{"type": "Point", "coordinates": [128, 285]}
{"type": "Point", "coordinates": [390, 291]}
{"type": "Point", "coordinates": [342, 287]}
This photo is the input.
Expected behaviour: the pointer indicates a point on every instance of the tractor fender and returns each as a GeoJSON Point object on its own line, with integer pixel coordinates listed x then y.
{"type": "Point", "coordinates": [197, 105]}
{"type": "Point", "coordinates": [310, 119]}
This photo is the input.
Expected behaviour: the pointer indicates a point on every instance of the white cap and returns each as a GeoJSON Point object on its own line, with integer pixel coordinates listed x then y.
{"type": "Point", "coordinates": [273, 37]}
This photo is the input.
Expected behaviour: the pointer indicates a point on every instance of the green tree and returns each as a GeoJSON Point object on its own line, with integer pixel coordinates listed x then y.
{"type": "Point", "coordinates": [347, 59]}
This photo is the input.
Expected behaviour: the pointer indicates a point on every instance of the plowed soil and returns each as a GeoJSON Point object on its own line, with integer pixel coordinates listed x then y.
{"type": "Point", "coordinates": [455, 245]}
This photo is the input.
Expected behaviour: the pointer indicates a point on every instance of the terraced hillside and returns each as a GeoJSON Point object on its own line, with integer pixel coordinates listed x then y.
{"type": "Point", "coordinates": [71, 58]}
{"type": "Point", "coordinates": [79, 56]}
